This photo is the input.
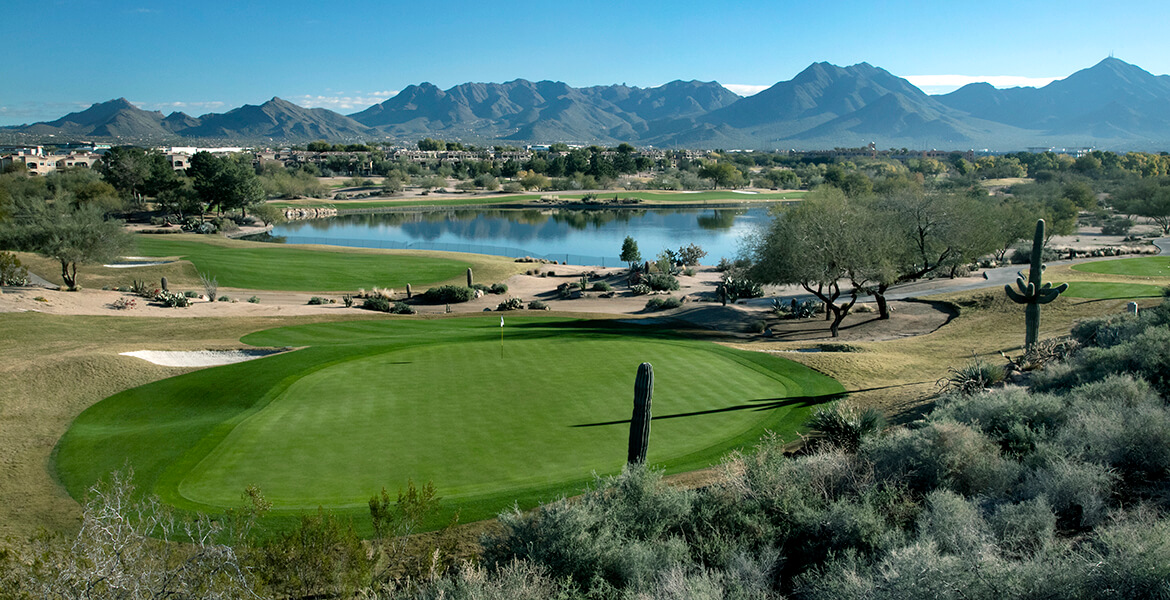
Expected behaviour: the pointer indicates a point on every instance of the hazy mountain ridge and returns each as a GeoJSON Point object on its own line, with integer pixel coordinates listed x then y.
{"type": "Point", "coordinates": [1111, 104]}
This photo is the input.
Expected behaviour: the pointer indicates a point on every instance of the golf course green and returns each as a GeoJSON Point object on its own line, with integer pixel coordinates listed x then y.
{"type": "Point", "coordinates": [1099, 290]}
{"type": "Point", "coordinates": [492, 416]}
{"type": "Point", "coordinates": [1145, 266]}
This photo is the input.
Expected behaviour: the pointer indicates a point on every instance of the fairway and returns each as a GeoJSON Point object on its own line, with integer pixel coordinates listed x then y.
{"type": "Point", "coordinates": [1146, 266]}
{"type": "Point", "coordinates": [260, 266]}
{"type": "Point", "coordinates": [371, 404]}
{"type": "Point", "coordinates": [1097, 290]}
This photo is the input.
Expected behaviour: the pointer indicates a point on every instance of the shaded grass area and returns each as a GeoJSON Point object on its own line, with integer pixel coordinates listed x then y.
{"type": "Point", "coordinates": [260, 266]}
{"type": "Point", "coordinates": [375, 403]}
{"type": "Point", "coordinates": [645, 196]}
{"type": "Point", "coordinates": [1111, 290]}
{"type": "Point", "coordinates": [1145, 266]}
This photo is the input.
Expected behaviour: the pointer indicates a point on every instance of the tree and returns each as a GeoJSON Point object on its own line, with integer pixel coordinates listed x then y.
{"type": "Point", "coordinates": [71, 235]}
{"type": "Point", "coordinates": [127, 169]}
{"type": "Point", "coordinates": [268, 214]}
{"type": "Point", "coordinates": [824, 241]}
{"type": "Point", "coordinates": [722, 175]}
{"type": "Point", "coordinates": [429, 144]}
{"type": "Point", "coordinates": [630, 253]}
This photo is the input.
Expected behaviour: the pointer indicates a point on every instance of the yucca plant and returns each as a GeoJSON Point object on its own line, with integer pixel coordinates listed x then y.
{"type": "Point", "coordinates": [844, 426]}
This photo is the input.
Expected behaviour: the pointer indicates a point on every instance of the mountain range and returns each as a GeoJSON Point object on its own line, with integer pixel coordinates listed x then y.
{"type": "Point", "coordinates": [1112, 104]}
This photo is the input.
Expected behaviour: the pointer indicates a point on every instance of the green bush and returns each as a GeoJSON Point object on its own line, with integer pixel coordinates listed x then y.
{"type": "Point", "coordinates": [537, 305]}
{"type": "Point", "coordinates": [602, 286]}
{"type": "Point", "coordinates": [498, 288]}
{"type": "Point", "coordinates": [942, 454]}
{"type": "Point", "coordinates": [972, 378]}
{"type": "Point", "coordinates": [11, 271]}
{"type": "Point", "coordinates": [845, 427]}
{"type": "Point", "coordinates": [254, 300]}
{"type": "Point", "coordinates": [1078, 492]}
{"type": "Point", "coordinates": [377, 303]}
{"type": "Point", "coordinates": [640, 289]}
{"type": "Point", "coordinates": [663, 303]}
{"type": "Point", "coordinates": [402, 308]}
{"type": "Point", "coordinates": [224, 299]}
{"type": "Point", "coordinates": [191, 294]}
{"type": "Point", "coordinates": [316, 300]}
{"type": "Point", "coordinates": [1025, 528]}
{"type": "Point", "coordinates": [953, 524]}
{"type": "Point", "coordinates": [661, 282]}
{"type": "Point", "coordinates": [1013, 417]}
{"type": "Point", "coordinates": [447, 294]}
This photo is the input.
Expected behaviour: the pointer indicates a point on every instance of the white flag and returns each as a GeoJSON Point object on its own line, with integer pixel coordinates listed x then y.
{"type": "Point", "coordinates": [501, 321]}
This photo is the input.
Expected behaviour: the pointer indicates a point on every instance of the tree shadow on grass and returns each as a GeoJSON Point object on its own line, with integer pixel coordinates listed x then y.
{"type": "Point", "coordinates": [761, 404]}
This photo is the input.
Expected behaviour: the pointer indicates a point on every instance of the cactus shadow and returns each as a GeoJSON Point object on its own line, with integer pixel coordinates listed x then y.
{"type": "Point", "coordinates": [759, 405]}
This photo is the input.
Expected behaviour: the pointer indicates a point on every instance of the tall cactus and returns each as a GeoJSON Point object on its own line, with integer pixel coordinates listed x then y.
{"type": "Point", "coordinates": [469, 277]}
{"type": "Point", "coordinates": [640, 421]}
{"type": "Point", "coordinates": [1031, 292]}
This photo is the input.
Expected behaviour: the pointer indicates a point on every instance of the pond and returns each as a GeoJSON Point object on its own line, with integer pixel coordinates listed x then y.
{"type": "Point", "coordinates": [592, 237]}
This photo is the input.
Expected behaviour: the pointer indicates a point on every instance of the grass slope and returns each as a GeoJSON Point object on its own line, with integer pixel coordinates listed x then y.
{"type": "Point", "coordinates": [374, 403]}
{"type": "Point", "coordinates": [260, 266]}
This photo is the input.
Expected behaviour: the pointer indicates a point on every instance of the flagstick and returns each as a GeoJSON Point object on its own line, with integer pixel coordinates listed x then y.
{"type": "Point", "coordinates": [501, 337]}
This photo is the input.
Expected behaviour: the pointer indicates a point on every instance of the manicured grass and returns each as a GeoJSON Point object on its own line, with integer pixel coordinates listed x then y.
{"type": "Point", "coordinates": [661, 197]}
{"type": "Point", "coordinates": [1111, 290]}
{"type": "Point", "coordinates": [1145, 266]}
{"type": "Point", "coordinates": [260, 266]}
{"type": "Point", "coordinates": [374, 403]}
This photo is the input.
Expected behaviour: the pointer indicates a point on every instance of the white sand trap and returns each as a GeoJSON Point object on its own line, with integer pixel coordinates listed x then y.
{"type": "Point", "coordinates": [199, 358]}
{"type": "Point", "coordinates": [743, 192]}
{"type": "Point", "coordinates": [138, 263]}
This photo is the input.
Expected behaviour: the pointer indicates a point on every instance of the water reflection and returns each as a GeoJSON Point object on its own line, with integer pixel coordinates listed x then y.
{"type": "Point", "coordinates": [535, 232]}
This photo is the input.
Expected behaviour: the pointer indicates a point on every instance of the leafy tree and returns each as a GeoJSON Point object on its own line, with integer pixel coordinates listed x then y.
{"type": "Point", "coordinates": [722, 174]}
{"type": "Point", "coordinates": [533, 181]}
{"type": "Point", "coordinates": [71, 235]}
{"type": "Point", "coordinates": [127, 168]}
{"type": "Point", "coordinates": [429, 144]}
{"type": "Point", "coordinates": [630, 253]}
{"type": "Point", "coordinates": [224, 183]}
{"type": "Point", "coordinates": [268, 214]}
{"type": "Point", "coordinates": [818, 244]}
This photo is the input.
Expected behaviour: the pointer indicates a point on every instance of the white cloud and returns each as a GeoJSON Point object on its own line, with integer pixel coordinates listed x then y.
{"type": "Point", "coordinates": [341, 103]}
{"type": "Point", "coordinates": [941, 84]}
{"type": "Point", "coordinates": [746, 89]}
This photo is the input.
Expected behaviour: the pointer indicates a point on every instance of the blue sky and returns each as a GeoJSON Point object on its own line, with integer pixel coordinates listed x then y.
{"type": "Point", "coordinates": [211, 56]}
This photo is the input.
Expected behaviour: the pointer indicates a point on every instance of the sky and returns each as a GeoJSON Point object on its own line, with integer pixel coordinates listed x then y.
{"type": "Point", "coordinates": [212, 56]}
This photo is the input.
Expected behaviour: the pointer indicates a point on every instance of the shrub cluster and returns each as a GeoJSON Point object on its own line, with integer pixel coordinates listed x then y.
{"type": "Point", "coordinates": [663, 303]}
{"type": "Point", "coordinates": [11, 271]}
{"type": "Point", "coordinates": [381, 304]}
{"type": "Point", "coordinates": [447, 294]}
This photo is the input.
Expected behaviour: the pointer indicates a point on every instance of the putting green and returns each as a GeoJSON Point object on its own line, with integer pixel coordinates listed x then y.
{"type": "Point", "coordinates": [1145, 266]}
{"type": "Point", "coordinates": [372, 404]}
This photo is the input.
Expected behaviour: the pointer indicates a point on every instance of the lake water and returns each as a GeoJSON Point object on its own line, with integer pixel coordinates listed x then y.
{"type": "Point", "coordinates": [575, 236]}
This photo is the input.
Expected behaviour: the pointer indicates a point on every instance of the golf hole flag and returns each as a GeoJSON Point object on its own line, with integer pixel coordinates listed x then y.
{"type": "Point", "coordinates": [501, 321]}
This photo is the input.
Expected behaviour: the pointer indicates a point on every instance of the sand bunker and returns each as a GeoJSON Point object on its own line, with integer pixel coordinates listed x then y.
{"type": "Point", "coordinates": [199, 358]}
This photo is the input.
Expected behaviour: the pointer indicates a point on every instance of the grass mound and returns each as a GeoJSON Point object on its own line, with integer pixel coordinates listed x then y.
{"type": "Point", "coordinates": [371, 404]}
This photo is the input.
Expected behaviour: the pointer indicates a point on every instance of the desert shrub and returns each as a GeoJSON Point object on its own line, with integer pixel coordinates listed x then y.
{"type": "Point", "coordinates": [254, 300]}
{"type": "Point", "coordinates": [348, 300]}
{"type": "Point", "coordinates": [1117, 226]}
{"type": "Point", "coordinates": [141, 288]}
{"type": "Point", "coordinates": [942, 454]}
{"type": "Point", "coordinates": [844, 426]}
{"type": "Point", "coordinates": [316, 300]}
{"type": "Point", "coordinates": [517, 580]}
{"type": "Point", "coordinates": [11, 271]}
{"type": "Point", "coordinates": [662, 282]}
{"type": "Point", "coordinates": [377, 303]}
{"type": "Point", "coordinates": [537, 305]}
{"type": "Point", "coordinates": [1107, 331]}
{"type": "Point", "coordinates": [224, 299]}
{"type": "Point", "coordinates": [952, 523]}
{"type": "Point", "coordinates": [402, 308]}
{"type": "Point", "coordinates": [741, 287]}
{"type": "Point", "coordinates": [972, 378]}
{"type": "Point", "coordinates": [448, 294]}
{"type": "Point", "coordinates": [640, 289]}
{"type": "Point", "coordinates": [124, 303]}
{"type": "Point", "coordinates": [796, 310]}
{"type": "Point", "coordinates": [1077, 491]}
{"type": "Point", "coordinates": [1016, 419]}
{"type": "Point", "coordinates": [758, 326]}
{"type": "Point", "coordinates": [1120, 422]}
{"type": "Point", "coordinates": [210, 286]}
{"type": "Point", "coordinates": [1144, 354]}
{"type": "Point", "coordinates": [511, 304]}
{"type": "Point", "coordinates": [602, 286]}
{"type": "Point", "coordinates": [618, 534]}
{"type": "Point", "coordinates": [191, 294]}
{"type": "Point", "coordinates": [1024, 528]}
{"type": "Point", "coordinates": [225, 225]}
{"type": "Point", "coordinates": [172, 299]}
{"type": "Point", "coordinates": [663, 303]}
{"type": "Point", "coordinates": [498, 288]}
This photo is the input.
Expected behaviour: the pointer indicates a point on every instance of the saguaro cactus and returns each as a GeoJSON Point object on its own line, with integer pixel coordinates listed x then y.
{"type": "Point", "coordinates": [1032, 293]}
{"type": "Point", "coordinates": [640, 421]}
{"type": "Point", "coordinates": [409, 295]}
{"type": "Point", "coordinates": [468, 276]}
{"type": "Point", "coordinates": [163, 284]}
